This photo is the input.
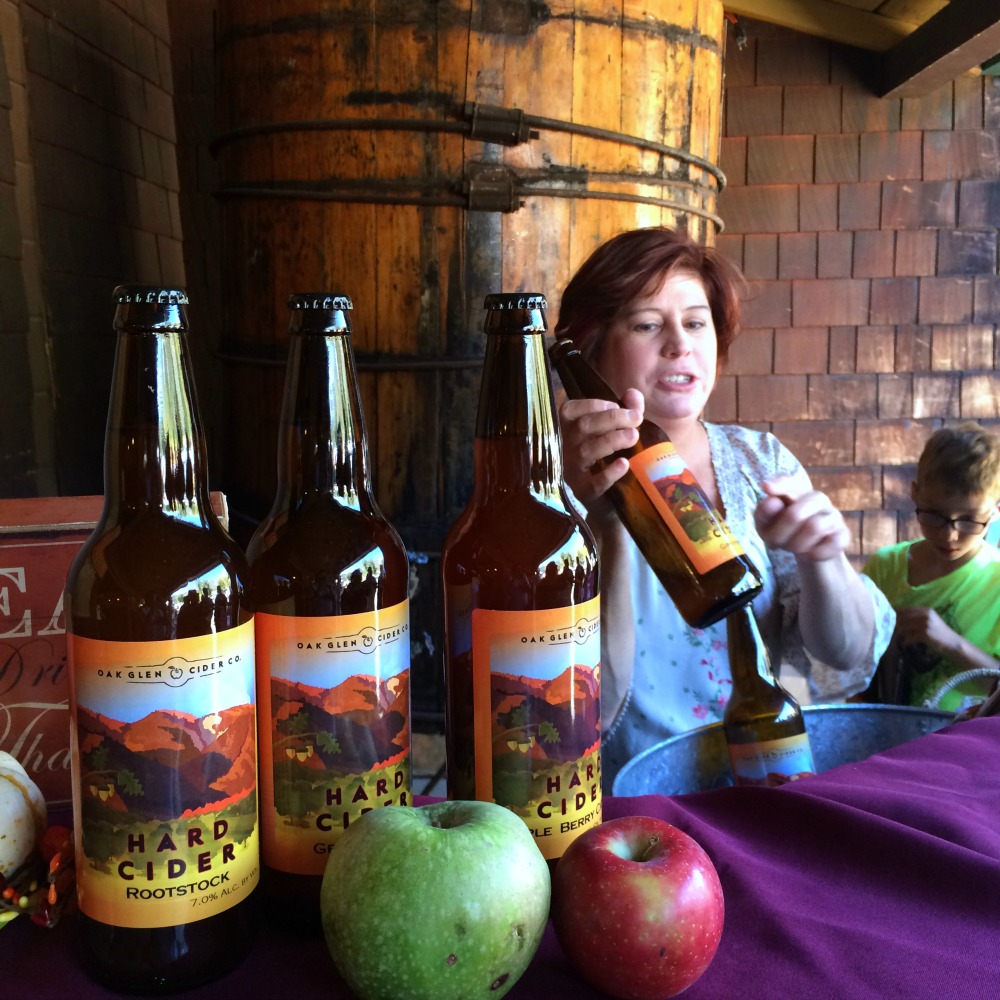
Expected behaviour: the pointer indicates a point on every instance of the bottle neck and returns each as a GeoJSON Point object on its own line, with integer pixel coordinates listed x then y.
{"type": "Point", "coordinates": [748, 656]}
{"type": "Point", "coordinates": [155, 454]}
{"type": "Point", "coordinates": [582, 381]}
{"type": "Point", "coordinates": [517, 439]}
{"type": "Point", "coordinates": [579, 378]}
{"type": "Point", "coordinates": [322, 447]}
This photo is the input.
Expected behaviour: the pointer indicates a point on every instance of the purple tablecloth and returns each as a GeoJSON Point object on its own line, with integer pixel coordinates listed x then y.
{"type": "Point", "coordinates": [873, 880]}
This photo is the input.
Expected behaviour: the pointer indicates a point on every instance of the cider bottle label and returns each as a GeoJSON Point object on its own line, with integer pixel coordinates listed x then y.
{"type": "Point", "coordinates": [164, 750]}
{"type": "Point", "coordinates": [771, 762]}
{"type": "Point", "coordinates": [334, 728]}
{"type": "Point", "coordinates": [536, 711]}
{"type": "Point", "coordinates": [670, 485]}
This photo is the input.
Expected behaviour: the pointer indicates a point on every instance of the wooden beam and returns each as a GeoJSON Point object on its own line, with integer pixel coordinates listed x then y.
{"type": "Point", "coordinates": [828, 20]}
{"type": "Point", "coordinates": [960, 37]}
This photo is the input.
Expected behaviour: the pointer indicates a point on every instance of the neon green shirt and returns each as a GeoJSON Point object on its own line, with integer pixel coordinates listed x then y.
{"type": "Point", "coordinates": [968, 601]}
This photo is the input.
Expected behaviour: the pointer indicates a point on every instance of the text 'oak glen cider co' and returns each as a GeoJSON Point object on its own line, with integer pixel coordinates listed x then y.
{"type": "Point", "coordinates": [522, 618]}
{"type": "Point", "coordinates": [161, 652]}
{"type": "Point", "coordinates": [329, 579]}
{"type": "Point", "coordinates": [763, 725]}
{"type": "Point", "coordinates": [685, 540]}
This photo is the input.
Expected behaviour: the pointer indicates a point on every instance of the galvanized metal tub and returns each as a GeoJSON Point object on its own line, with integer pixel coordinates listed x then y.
{"type": "Point", "coordinates": [839, 734]}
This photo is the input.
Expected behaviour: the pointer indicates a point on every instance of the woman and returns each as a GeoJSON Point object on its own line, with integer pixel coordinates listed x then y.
{"type": "Point", "coordinates": [656, 314]}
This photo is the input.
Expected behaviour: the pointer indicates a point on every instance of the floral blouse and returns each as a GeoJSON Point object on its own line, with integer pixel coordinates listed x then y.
{"type": "Point", "coordinates": [681, 677]}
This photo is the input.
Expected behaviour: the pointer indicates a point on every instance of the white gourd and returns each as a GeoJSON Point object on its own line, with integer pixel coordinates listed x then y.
{"type": "Point", "coordinates": [23, 816]}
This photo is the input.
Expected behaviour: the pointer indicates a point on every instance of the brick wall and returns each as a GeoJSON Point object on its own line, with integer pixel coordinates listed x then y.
{"type": "Point", "coordinates": [868, 231]}
{"type": "Point", "coordinates": [100, 180]}
{"type": "Point", "coordinates": [26, 417]}
{"type": "Point", "coordinates": [16, 452]}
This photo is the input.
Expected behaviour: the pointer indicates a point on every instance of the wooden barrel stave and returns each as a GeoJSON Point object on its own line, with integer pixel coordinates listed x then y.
{"type": "Point", "coordinates": [418, 272]}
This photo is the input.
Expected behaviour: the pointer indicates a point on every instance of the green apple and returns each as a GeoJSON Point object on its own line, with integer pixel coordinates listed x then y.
{"type": "Point", "coordinates": [443, 900]}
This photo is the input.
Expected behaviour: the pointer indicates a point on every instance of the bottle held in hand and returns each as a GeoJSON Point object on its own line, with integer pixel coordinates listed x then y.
{"type": "Point", "coordinates": [685, 540]}
{"type": "Point", "coordinates": [763, 725]}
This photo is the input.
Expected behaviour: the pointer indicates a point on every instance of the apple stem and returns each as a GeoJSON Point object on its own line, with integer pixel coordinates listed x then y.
{"type": "Point", "coordinates": [653, 841]}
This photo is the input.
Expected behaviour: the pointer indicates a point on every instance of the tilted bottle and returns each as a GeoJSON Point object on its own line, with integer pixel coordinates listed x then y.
{"type": "Point", "coordinates": [522, 621]}
{"type": "Point", "coordinates": [328, 578]}
{"type": "Point", "coordinates": [685, 540]}
{"type": "Point", "coordinates": [763, 725]}
{"type": "Point", "coordinates": [161, 653]}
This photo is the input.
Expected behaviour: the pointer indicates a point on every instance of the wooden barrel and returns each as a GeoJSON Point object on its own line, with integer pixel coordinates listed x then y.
{"type": "Point", "coordinates": [418, 156]}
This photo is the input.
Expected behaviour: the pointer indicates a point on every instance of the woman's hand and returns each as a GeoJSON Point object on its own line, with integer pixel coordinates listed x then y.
{"type": "Point", "coordinates": [795, 517]}
{"type": "Point", "coordinates": [592, 431]}
{"type": "Point", "coordinates": [836, 617]}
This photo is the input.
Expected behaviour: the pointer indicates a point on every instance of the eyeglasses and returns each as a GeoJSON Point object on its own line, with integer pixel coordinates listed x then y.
{"type": "Point", "coordinates": [932, 520]}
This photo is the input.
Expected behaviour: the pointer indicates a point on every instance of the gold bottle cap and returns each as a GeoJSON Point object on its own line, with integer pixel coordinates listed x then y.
{"type": "Point", "coordinates": [515, 300]}
{"type": "Point", "coordinates": [325, 301]}
{"type": "Point", "coordinates": [150, 295]}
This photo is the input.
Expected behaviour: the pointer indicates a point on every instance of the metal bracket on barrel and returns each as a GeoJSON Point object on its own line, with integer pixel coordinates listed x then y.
{"type": "Point", "coordinates": [505, 126]}
{"type": "Point", "coordinates": [490, 188]}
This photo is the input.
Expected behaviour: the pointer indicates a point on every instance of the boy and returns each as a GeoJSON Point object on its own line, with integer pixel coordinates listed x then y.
{"type": "Point", "coordinates": [945, 586]}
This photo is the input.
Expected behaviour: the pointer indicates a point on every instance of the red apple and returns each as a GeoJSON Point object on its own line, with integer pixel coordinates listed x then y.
{"type": "Point", "coordinates": [637, 907]}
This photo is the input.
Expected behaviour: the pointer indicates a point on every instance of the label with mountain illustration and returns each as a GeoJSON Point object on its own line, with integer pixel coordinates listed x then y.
{"type": "Point", "coordinates": [334, 729]}
{"type": "Point", "coordinates": [165, 762]}
{"type": "Point", "coordinates": [771, 762]}
{"type": "Point", "coordinates": [537, 717]}
{"type": "Point", "coordinates": [675, 493]}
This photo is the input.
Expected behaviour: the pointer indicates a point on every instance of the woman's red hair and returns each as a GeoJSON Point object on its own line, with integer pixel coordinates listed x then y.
{"type": "Point", "coordinates": [635, 263]}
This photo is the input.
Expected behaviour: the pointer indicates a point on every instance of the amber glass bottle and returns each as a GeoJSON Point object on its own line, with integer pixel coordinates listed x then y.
{"type": "Point", "coordinates": [520, 575]}
{"type": "Point", "coordinates": [328, 579]}
{"type": "Point", "coordinates": [763, 724]}
{"type": "Point", "coordinates": [160, 639]}
{"type": "Point", "coordinates": [685, 540]}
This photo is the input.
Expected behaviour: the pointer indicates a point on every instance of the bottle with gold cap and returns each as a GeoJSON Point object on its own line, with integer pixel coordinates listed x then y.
{"type": "Point", "coordinates": [329, 579]}
{"type": "Point", "coordinates": [522, 621]}
{"type": "Point", "coordinates": [160, 643]}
